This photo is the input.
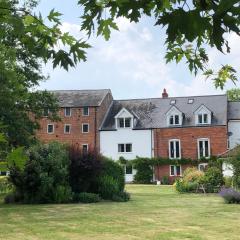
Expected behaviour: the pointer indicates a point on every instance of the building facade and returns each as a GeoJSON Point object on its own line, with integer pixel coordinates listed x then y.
{"type": "Point", "coordinates": [194, 127]}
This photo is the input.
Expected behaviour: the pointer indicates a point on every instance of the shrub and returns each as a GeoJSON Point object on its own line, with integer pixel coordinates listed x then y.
{"type": "Point", "coordinates": [85, 167]}
{"type": "Point", "coordinates": [45, 178]}
{"type": "Point", "coordinates": [230, 195]}
{"type": "Point", "coordinates": [165, 180]}
{"type": "Point", "coordinates": [5, 185]}
{"type": "Point", "coordinates": [85, 197]}
{"type": "Point", "coordinates": [121, 197]}
{"type": "Point", "coordinates": [213, 179]}
{"type": "Point", "coordinates": [228, 182]}
{"type": "Point", "coordinates": [108, 187]}
{"type": "Point", "coordinates": [190, 180]}
{"type": "Point", "coordinates": [144, 172]}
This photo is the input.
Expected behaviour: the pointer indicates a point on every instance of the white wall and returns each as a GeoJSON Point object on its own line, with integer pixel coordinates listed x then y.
{"type": "Point", "coordinates": [141, 145]}
{"type": "Point", "coordinates": [234, 128]}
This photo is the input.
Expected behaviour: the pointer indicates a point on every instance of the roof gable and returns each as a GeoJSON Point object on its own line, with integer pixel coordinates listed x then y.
{"type": "Point", "coordinates": [123, 113]}
{"type": "Point", "coordinates": [173, 110]}
{"type": "Point", "coordinates": [202, 109]}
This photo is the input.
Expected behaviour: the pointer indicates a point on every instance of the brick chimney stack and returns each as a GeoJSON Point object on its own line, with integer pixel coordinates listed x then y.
{"type": "Point", "coordinates": [164, 94]}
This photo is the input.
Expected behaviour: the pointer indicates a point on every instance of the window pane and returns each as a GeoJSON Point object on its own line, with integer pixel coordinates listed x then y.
{"type": "Point", "coordinates": [178, 170]}
{"type": "Point", "coordinates": [205, 118]}
{"type": "Point", "coordinates": [171, 120]}
{"type": "Point", "coordinates": [67, 128]}
{"type": "Point", "coordinates": [127, 122]}
{"type": "Point", "coordinates": [121, 122]}
{"type": "Point", "coordinates": [199, 118]}
{"type": "Point", "coordinates": [176, 119]}
{"type": "Point", "coordinates": [120, 147]}
{"type": "Point", "coordinates": [172, 170]}
{"type": "Point", "coordinates": [85, 111]}
{"type": "Point", "coordinates": [129, 169]}
{"type": "Point", "coordinates": [200, 149]}
{"type": "Point", "coordinates": [177, 149]}
{"type": "Point", "coordinates": [67, 111]}
{"type": "Point", "coordinates": [128, 147]}
{"type": "Point", "coordinates": [171, 149]}
{"type": "Point", "coordinates": [50, 128]}
{"type": "Point", "coordinates": [85, 148]}
{"type": "Point", "coordinates": [206, 149]}
{"type": "Point", "coordinates": [85, 128]}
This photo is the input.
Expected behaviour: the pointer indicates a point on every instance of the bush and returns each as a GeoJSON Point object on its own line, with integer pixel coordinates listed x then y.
{"type": "Point", "coordinates": [230, 195]}
{"type": "Point", "coordinates": [121, 197]}
{"type": "Point", "coordinates": [85, 168]}
{"type": "Point", "coordinates": [144, 172]}
{"type": "Point", "coordinates": [228, 182]}
{"type": "Point", "coordinates": [213, 179]}
{"type": "Point", "coordinates": [190, 180]}
{"type": "Point", "coordinates": [165, 180]}
{"type": "Point", "coordinates": [5, 185]}
{"type": "Point", "coordinates": [85, 197]}
{"type": "Point", "coordinates": [45, 178]}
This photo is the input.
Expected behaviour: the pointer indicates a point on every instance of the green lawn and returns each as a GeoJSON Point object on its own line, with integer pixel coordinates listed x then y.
{"type": "Point", "coordinates": [154, 212]}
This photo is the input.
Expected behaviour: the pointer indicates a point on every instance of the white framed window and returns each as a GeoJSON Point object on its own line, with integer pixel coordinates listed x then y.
{"type": "Point", "coordinates": [124, 122]}
{"type": "Point", "coordinates": [173, 102]}
{"type": "Point", "coordinates": [174, 120]}
{"type": "Point", "coordinates": [85, 148]}
{"type": "Point", "coordinates": [202, 166]}
{"type": "Point", "coordinates": [85, 127]}
{"type": "Point", "coordinates": [175, 170]}
{"type": "Point", "coordinates": [85, 111]}
{"type": "Point", "coordinates": [67, 112]}
{"type": "Point", "coordinates": [50, 128]}
{"type": "Point", "coordinates": [203, 118]}
{"type": "Point", "coordinates": [174, 149]}
{"type": "Point", "coordinates": [67, 128]}
{"type": "Point", "coordinates": [203, 148]}
{"type": "Point", "coordinates": [128, 169]}
{"type": "Point", "coordinates": [125, 147]}
{"type": "Point", "coordinates": [190, 101]}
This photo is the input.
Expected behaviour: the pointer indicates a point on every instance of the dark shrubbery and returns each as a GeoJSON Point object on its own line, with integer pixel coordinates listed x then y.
{"type": "Point", "coordinates": [230, 195]}
{"type": "Point", "coordinates": [165, 180]}
{"type": "Point", "coordinates": [5, 185]}
{"type": "Point", "coordinates": [85, 167]}
{"type": "Point", "coordinates": [55, 173]}
{"type": "Point", "coordinates": [144, 172]}
{"type": "Point", "coordinates": [45, 178]}
{"type": "Point", "coordinates": [85, 197]}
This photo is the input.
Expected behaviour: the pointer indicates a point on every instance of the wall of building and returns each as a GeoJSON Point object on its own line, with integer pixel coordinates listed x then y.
{"type": "Point", "coordinates": [76, 120]}
{"type": "Point", "coordinates": [234, 130]}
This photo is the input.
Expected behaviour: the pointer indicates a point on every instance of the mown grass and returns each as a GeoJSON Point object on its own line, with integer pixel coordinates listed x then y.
{"type": "Point", "coordinates": [154, 212]}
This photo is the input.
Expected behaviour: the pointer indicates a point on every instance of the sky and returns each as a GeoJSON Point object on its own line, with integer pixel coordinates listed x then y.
{"type": "Point", "coordinates": [132, 62]}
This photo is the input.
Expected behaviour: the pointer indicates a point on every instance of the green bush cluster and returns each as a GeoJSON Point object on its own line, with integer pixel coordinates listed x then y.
{"type": "Point", "coordinates": [5, 185]}
{"type": "Point", "coordinates": [55, 173]}
{"type": "Point", "coordinates": [144, 172]}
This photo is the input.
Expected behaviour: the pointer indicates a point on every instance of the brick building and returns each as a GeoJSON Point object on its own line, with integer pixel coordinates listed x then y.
{"type": "Point", "coordinates": [182, 127]}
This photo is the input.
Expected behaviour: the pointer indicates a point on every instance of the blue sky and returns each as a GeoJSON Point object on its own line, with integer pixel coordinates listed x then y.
{"type": "Point", "coordinates": [132, 62]}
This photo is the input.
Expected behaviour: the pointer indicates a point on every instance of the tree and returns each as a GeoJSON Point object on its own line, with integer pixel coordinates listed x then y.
{"type": "Point", "coordinates": [191, 25]}
{"type": "Point", "coordinates": [233, 94]}
{"type": "Point", "coordinates": [25, 43]}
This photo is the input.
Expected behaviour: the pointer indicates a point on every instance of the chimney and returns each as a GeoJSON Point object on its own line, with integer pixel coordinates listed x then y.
{"type": "Point", "coordinates": [164, 94]}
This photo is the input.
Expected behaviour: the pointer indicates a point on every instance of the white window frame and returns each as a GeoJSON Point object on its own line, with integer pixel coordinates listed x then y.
{"type": "Point", "coordinates": [126, 170]}
{"type": "Point", "coordinates": [169, 148]}
{"type": "Point", "coordinates": [124, 122]}
{"type": "Point", "coordinates": [202, 164]}
{"type": "Point", "coordinates": [53, 128]}
{"type": "Point", "coordinates": [65, 128]}
{"type": "Point", "coordinates": [125, 147]}
{"type": "Point", "coordinates": [174, 120]}
{"type": "Point", "coordinates": [209, 147]}
{"type": "Point", "coordinates": [65, 112]}
{"type": "Point", "coordinates": [83, 125]}
{"type": "Point", "coordinates": [85, 144]}
{"type": "Point", "coordinates": [175, 171]}
{"type": "Point", "coordinates": [202, 117]}
{"type": "Point", "coordinates": [202, 110]}
{"type": "Point", "coordinates": [83, 111]}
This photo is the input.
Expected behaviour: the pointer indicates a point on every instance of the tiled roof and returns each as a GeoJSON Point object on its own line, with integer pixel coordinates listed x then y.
{"type": "Point", "coordinates": [80, 98]}
{"type": "Point", "coordinates": [234, 110]}
{"type": "Point", "coordinates": [152, 111]}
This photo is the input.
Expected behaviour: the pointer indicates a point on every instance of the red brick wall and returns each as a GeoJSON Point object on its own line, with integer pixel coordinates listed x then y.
{"type": "Point", "coordinates": [76, 136]}
{"type": "Point", "coordinates": [188, 138]}
{"type": "Point", "coordinates": [189, 149]}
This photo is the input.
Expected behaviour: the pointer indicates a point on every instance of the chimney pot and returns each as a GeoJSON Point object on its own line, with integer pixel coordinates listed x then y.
{"type": "Point", "coordinates": [164, 94]}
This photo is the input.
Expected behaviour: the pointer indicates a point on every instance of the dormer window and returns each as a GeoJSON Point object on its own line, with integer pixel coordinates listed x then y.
{"type": "Point", "coordinates": [174, 117]}
{"type": "Point", "coordinates": [203, 116]}
{"type": "Point", "coordinates": [124, 122]}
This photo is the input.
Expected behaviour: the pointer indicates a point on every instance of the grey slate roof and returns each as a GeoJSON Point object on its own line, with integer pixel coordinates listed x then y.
{"type": "Point", "coordinates": [233, 110]}
{"type": "Point", "coordinates": [152, 111]}
{"type": "Point", "coordinates": [80, 98]}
